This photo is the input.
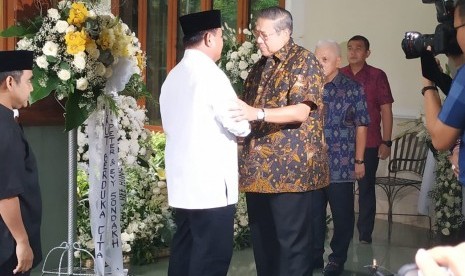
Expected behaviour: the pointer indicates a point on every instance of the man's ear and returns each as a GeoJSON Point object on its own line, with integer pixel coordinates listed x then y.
{"type": "Point", "coordinates": [208, 39]}
{"type": "Point", "coordinates": [368, 53]}
{"type": "Point", "coordinates": [9, 82]}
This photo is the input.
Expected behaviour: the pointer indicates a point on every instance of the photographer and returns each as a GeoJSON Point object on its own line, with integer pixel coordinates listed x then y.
{"type": "Point", "coordinates": [446, 124]}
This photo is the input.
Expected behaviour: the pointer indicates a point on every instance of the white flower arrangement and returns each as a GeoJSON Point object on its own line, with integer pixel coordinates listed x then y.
{"type": "Point", "coordinates": [76, 49]}
{"type": "Point", "coordinates": [447, 196]}
{"type": "Point", "coordinates": [146, 219]}
{"type": "Point", "coordinates": [238, 58]}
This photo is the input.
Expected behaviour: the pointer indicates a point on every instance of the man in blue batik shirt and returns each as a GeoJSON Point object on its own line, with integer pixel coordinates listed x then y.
{"type": "Point", "coordinates": [346, 124]}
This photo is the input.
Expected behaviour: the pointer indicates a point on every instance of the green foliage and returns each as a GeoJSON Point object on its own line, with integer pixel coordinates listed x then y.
{"type": "Point", "coordinates": [447, 197]}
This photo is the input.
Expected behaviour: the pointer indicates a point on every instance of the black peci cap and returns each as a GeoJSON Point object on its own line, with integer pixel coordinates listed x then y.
{"type": "Point", "coordinates": [193, 23]}
{"type": "Point", "coordinates": [16, 60]}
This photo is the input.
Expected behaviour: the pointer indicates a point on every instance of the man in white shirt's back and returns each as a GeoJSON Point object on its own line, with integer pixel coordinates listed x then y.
{"type": "Point", "coordinates": [201, 151]}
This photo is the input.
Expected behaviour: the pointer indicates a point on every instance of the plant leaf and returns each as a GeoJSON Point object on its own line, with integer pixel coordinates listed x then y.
{"type": "Point", "coordinates": [13, 31]}
{"type": "Point", "coordinates": [75, 115]}
{"type": "Point", "coordinates": [41, 92]}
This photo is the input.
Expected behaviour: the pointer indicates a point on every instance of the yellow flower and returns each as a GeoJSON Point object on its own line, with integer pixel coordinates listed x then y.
{"type": "Point", "coordinates": [75, 42]}
{"type": "Point", "coordinates": [140, 61]}
{"type": "Point", "coordinates": [106, 39]}
{"type": "Point", "coordinates": [77, 14]}
{"type": "Point", "coordinates": [161, 173]}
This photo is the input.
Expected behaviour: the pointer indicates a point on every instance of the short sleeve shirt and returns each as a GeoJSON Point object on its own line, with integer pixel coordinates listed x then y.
{"type": "Point", "coordinates": [346, 109]}
{"type": "Point", "coordinates": [278, 158]}
{"type": "Point", "coordinates": [453, 114]}
{"type": "Point", "coordinates": [18, 178]}
{"type": "Point", "coordinates": [378, 92]}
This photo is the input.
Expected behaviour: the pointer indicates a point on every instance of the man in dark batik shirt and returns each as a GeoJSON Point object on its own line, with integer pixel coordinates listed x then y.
{"type": "Point", "coordinates": [284, 158]}
{"type": "Point", "coordinates": [345, 132]}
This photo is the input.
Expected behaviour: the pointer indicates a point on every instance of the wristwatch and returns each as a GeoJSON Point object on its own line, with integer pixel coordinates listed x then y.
{"type": "Point", "coordinates": [357, 161]}
{"type": "Point", "coordinates": [261, 115]}
{"type": "Point", "coordinates": [388, 143]}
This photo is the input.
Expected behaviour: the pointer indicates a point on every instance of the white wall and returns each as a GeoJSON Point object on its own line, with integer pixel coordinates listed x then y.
{"type": "Point", "coordinates": [384, 23]}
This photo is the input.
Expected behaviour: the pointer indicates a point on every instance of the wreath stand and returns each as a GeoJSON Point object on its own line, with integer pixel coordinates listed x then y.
{"type": "Point", "coordinates": [70, 246]}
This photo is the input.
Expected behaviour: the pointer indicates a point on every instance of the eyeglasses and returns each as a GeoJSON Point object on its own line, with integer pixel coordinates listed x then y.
{"type": "Point", "coordinates": [460, 26]}
{"type": "Point", "coordinates": [264, 36]}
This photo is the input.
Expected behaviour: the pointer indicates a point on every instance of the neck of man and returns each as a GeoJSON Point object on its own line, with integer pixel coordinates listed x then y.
{"type": "Point", "coordinates": [330, 77]}
{"type": "Point", "coordinates": [5, 102]}
{"type": "Point", "coordinates": [356, 67]}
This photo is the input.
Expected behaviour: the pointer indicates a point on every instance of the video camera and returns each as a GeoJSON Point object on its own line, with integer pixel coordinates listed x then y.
{"type": "Point", "coordinates": [443, 41]}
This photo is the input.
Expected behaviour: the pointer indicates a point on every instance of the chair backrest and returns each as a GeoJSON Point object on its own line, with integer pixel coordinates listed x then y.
{"type": "Point", "coordinates": [409, 154]}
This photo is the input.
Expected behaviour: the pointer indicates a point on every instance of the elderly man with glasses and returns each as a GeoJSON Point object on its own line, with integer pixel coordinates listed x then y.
{"type": "Point", "coordinates": [284, 158]}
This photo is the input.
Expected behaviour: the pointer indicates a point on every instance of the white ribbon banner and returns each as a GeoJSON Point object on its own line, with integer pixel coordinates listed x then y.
{"type": "Point", "coordinates": [104, 193]}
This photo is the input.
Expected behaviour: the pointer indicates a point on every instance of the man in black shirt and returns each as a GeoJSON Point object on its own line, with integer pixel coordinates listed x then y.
{"type": "Point", "coordinates": [20, 200]}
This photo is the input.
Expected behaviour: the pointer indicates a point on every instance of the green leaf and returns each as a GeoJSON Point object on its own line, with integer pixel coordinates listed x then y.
{"type": "Point", "coordinates": [41, 92]}
{"type": "Point", "coordinates": [75, 115]}
{"type": "Point", "coordinates": [13, 31]}
{"type": "Point", "coordinates": [52, 59]}
{"type": "Point", "coordinates": [22, 30]}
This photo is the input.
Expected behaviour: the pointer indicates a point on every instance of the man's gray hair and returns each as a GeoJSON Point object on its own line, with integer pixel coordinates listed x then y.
{"type": "Point", "coordinates": [283, 17]}
{"type": "Point", "coordinates": [329, 43]}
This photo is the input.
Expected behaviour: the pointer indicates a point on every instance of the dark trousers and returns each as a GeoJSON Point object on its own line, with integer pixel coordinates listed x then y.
{"type": "Point", "coordinates": [340, 197]}
{"type": "Point", "coordinates": [280, 226]}
{"type": "Point", "coordinates": [6, 269]}
{"type": "Point", "coordinates": [367, 196]}
{"type": "Point", "coordinates": [203, 242]}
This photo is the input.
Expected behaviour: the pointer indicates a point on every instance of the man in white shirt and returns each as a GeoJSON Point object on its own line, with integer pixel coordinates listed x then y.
{"type": "Point", "coordinates": [201, 151]}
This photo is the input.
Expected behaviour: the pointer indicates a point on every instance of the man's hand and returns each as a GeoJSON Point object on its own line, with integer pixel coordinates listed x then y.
{"type": "Point", "coordinates": [453, 258]}
{"type": "Point", "coordinates": [359, 171]}
{"type": "Point", "coordinates": [384, 152]}
{"type": "Point", "coordinates": [25, 257]}
{"type": "Point", "coordinates": [243, 111]}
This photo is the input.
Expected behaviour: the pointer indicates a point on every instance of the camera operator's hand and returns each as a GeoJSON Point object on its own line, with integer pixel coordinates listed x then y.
{"type": "Point", "coordinates": [429, 261]}
{"type": "Point", "coordinates": [432, 71]}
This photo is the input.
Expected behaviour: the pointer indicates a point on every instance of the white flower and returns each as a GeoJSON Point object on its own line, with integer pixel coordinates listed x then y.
{"type": "Point", "coordinates": [243, 65]}
{"type": "Point", "coordinates": [100, 69]}
{"type": "Point", "coordinates": [161, 184]}
{"type": "Point", "coordinates": [229, 66]}
{"type": "Point", "coordinates": [247, 32]}
{"type": "Point", "coordinates": [445, 231]}
{"type": "Point", "coordinates": [42, 62]}
{"type": "Point", "coordinates": [63, 4]}
{"type": "Point", "coordinates": [234, 55]}
{"type": "Point", "coordinates": [64, 74]}
{"type": "Point", "coordinates": [125, 237]}
{"type": "Point", "coordinates": [255, 57]}
{"type": "Point", "coordinates": [70, 29]}
{"type": "Point", "coordinates": [79, 61]}
{"type": "Point", "coordinates": [53, 13]}
{"type": "Point", "coordinates": [24, 44]}
{"type": "Point", "coordinates": [61, 26]}
{"type": "Point", "coordinates": [94, 53]}
{"type": "Point", "coordinates": [244, 75]}
{"type": "Point", "coordinates": [247, 45]}
{"type": "Point", "coordinates": [91, 14]}
{"type": "Point", "coordinates": [81, 84]}
{"type": "Point", "coordinates": [50, 49]}
{"type": "Point", "coordinates": [108, 72]}
{"type": "Point", "coordinates": [126, 247]}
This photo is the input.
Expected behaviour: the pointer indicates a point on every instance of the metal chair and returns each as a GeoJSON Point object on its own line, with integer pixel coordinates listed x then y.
{"type": "Point", "coordinates": [408, 154]}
